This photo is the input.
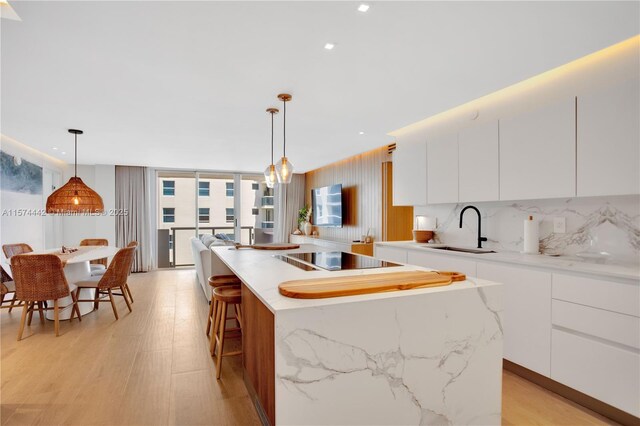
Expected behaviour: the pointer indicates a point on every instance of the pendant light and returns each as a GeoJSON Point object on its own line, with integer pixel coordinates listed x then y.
{"type": "Point", "coordinates": [270, 172]}
{"type": "Point", "coordinates": [284, 168]}
{"type": "Point", "coordinates": [75, 196]}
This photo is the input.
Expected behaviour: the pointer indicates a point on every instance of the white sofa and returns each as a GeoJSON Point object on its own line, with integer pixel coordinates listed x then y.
{"type": "Point", "coordinates": [207, 263]}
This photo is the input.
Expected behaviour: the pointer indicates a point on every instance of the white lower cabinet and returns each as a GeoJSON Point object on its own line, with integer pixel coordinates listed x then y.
{"type": "Point", "coordinates": [527, 314]}
{"type": "Point", "coordinates": [595, 347]}
{"type": "Point", "coordinates": [581, 332]}
{"type": "Point", "coordinates": [606, 372]}
{"type": "Point", "coordinates": [442, 262]}
{"type": "Point", "coordinates": [390, 254]}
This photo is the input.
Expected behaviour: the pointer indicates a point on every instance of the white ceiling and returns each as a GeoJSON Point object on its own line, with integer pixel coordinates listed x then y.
{"type": "Point", "coordinates": [186, 84]}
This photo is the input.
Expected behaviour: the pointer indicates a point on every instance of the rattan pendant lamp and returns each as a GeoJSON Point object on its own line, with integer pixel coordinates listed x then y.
{"type": "Point", "coordinates": [270, 172]}
{"type": "Point", "coordinates": [284, 168]}
{"type": "Point", "coordinates": [75, 196]}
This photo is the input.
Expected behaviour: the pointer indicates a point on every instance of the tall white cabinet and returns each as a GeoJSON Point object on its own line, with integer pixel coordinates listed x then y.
{"type": "Point", "coordinates": [410, 170]}
{"type": "Point", "coordinates": [478, 162]}
{"type": "Point", "coordinates": [609, 140]}
{"type": "Point", "coordinates": [538, 152]}
{"type": "Point", "coordinates": [442, 168]}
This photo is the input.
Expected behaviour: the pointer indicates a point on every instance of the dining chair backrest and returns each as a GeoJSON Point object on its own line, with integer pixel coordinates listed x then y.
{"type": "Point", "coordinates": [96, 242]}
{"type": "Point", "coordinates": [133, 244]}
{"type": "Point", "coordinates": [3, 288]}
{"type": "Point", "coordinates": [118, 270]}
{"type": "Point", "coordinates": [38, 277]}
{"type": "Point", "coordinates": [13, 249]}
{"type": "Point", "coordinates": [5, 275]}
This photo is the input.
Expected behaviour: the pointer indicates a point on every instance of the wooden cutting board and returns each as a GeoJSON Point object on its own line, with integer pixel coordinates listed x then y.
{"type": "Point", "coordinates": [320, 288]}
{"type": "Point", "coordinates": [270, 246]}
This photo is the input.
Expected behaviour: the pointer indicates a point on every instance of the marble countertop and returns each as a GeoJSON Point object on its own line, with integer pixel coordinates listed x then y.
{"type": "Point", "coordinates": [262, 273]}
{"type": "Point", "coordinates": [560, 263]}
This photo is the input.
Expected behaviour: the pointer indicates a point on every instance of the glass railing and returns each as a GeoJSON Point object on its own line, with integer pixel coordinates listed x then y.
{"type": "Point", "coordinates": [174, 244]}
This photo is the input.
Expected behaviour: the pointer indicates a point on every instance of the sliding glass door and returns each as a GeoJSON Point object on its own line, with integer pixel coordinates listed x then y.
{"type": "Point", "coordinates": [257, 208]}
{"type": "Point", "coordinates": [216, 204]}
{"type": "Point", "coordinates": [190, 204]}
{"type": "Point", "coordinates": [177, 222]}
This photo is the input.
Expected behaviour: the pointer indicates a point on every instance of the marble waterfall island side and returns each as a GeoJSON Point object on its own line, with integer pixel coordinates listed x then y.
{"type": "Point", "coordinates": [427, 356]}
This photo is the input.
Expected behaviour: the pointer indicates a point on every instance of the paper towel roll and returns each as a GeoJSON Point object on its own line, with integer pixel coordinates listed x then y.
{"type": "Point", "coordinates": [425, 223]}
{"type": "Point", "coordinates": [531, 236]}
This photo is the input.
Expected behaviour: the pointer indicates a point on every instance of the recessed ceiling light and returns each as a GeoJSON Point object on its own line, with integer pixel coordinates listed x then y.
{"type": "Point", "coordinates": [363, 7]}
{"type": "Point", "coordinates": [63, 153]}
{"type": "Point", "coordinates": [55, 148]}
{"type": "Point", "coordinates": [329, 46]}
{"type": "Point", "coordinates": [361, 133]}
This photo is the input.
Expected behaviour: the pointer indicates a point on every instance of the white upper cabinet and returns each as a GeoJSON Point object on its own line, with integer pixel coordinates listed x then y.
{"type": "Point", "coordinates": [478, 162]}
{"type": "Point", "coordinates": [538, 153]}
{"type": "Point", "coordinates": [442, 168]}
{"type": "Point", "coordinates": [410, 171]}
{"type": "Point", "coordinates": [609, 140]}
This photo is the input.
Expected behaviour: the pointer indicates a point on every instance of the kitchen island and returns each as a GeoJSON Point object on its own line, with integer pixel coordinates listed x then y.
{"type": "Point", "coordinates": [423, 356]}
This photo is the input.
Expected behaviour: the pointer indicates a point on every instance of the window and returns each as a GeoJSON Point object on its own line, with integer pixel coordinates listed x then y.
{"type": "Point", "coordinates": [229, 189]}
{"type": "Point", "coordinates": [169, 188]}
{"type": "Point", "coordinates": [230, 215]}
{"type": "Point", "coordinates": [168, 215]}
{"type": "Point", "coordinates": [203, 215]}
{"type": "Point", "coordinates": [170, 242]}
{"type": "Point", "coordinates": [255, 186]}
{"type": "Point", "coordinates": [255, 211]}
{"type": "Point", "coordinates": [203, 189]}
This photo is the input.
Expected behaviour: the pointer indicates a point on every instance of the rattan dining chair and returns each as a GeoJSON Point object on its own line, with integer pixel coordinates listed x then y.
{"type": "Point", "coordinates": [126, 287]}
{"type": "Point", "coordinates": [13, 249]}
{"type": "Point", "coordinates": [38, 278]}
{"type": "Point", "coordinates": [114, 278]}
{"type": "Point", "coordinates": [7, 286]}
{"type": "Point", "coordinates": [98, 266]}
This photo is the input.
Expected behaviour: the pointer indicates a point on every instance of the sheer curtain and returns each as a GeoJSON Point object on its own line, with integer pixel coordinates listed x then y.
{"type": "Point", "coordinates": [133, 198]}
{"type": "Point", "coordinates": [288, 200]}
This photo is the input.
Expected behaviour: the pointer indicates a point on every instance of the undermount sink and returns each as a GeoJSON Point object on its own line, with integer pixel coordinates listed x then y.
{"type": "Point", "coordinates": [462, 249]}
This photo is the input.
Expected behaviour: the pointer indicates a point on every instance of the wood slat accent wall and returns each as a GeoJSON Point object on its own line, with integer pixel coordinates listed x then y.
{"type": "Point", "coordinates": [361, 179]}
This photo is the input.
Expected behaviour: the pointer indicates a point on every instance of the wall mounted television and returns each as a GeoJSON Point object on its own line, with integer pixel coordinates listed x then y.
{"type": "Point", "coordinates": [326, 203]}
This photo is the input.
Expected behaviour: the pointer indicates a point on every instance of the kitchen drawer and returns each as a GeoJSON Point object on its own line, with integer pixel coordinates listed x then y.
{"type": "Point", "coordinates": [391, 254]}
{"type": "Point", "coordinates": [605, 372]}
{"type": "Point", "coordinates": [442, 263]}
{"type": "Point", "coordinates": [610, 295]}
{"type": "Point", "coordinates": [618, 328]}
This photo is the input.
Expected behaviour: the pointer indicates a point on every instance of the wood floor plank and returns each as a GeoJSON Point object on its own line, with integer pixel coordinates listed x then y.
{"type": "Point", "coordinates": [152, 367]}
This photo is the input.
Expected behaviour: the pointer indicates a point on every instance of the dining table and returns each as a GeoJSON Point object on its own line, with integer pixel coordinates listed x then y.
{"type": "Point", "coordinates": [76, 266]}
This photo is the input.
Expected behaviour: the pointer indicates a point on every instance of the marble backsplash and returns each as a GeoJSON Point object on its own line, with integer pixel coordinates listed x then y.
{"type": "Point", "coordinates": [609, 224]}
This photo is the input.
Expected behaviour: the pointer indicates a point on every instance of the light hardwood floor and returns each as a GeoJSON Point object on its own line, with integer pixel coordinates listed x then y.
{"type": "Point", "coordinates": [152, 367]}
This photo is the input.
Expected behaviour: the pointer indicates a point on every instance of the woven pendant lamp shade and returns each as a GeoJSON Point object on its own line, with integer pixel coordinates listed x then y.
{"type": "Point", "coordinates": [75, 197]}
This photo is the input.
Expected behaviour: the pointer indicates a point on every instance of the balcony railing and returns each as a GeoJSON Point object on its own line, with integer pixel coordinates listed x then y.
{"type": "Point", "coordinates": [169, 247]}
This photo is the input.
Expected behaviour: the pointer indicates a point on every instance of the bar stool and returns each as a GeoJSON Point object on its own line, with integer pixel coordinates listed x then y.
{"type": "Point", "coordinates": [219, 281]}
{"type": "Point", "coordinates": [224, 296]}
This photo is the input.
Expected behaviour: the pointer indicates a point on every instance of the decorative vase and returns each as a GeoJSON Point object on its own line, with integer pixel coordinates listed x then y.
{"type": "Point", "coordinates": [307, 228]}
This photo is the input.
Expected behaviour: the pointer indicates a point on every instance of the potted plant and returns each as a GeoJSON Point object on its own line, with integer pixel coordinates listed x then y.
{"type": "Point", "coordinates": [304, 218]}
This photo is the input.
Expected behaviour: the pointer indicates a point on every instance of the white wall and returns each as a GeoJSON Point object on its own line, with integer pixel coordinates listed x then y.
{"type": "Point", "coordinates": [28, 229]}
{"type": "Point", "coordinates": [102, 179]}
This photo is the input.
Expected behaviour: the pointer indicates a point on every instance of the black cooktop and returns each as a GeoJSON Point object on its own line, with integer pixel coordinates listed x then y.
{"type": "Point", "coordinates": [339, 260]}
